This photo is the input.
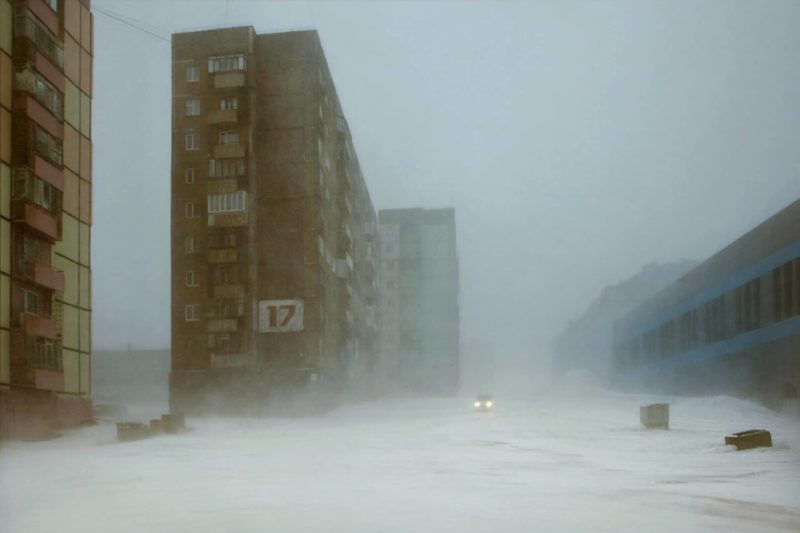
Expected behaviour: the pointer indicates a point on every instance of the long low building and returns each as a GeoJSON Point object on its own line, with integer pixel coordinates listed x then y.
{"type": "Point", "coordinates": [731, 325]}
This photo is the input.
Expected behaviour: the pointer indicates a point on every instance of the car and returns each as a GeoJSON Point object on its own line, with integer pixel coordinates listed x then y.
{"type": "Point", "coordinates": [484, 402]}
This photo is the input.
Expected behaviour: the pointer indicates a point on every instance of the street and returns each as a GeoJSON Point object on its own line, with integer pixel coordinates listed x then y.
{"type": "Point", "coordinates": [578, 463]}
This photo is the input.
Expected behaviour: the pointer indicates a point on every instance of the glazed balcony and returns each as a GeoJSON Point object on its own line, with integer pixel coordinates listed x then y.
{"type": "Point", "coordinates": [26, 104]}
{"type": "Point", "coordinates": [229, 291]}
{"type": "Point", "coordinates": [227, 255]}
{"type": "Point", "coordinates": [44, 223]}
{"type": "Point", "coordinates": [227, 220]}
{"type": "Point", "coordinates": [38, 38]}
{"type": "Point", "coordinates": [222, 116]}
{"type": "Point", "coordinates": [33, 325]}
{"type": "Point", "coordinates": [224, 325]}
{"type": "Point", "coordinates": [42, 275]}
{"type": "Point", "coordinates": [228, 80]}
{"type": "Point", "coordinates": [228, 151]}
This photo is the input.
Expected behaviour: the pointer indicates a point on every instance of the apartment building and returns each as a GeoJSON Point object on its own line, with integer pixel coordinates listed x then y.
{"type": "Point", "coordinates": [273, 271]}
{"type": "Point", "coordinates": [46, 54]}
{"type": "Point", "coordinates": [418, 295]}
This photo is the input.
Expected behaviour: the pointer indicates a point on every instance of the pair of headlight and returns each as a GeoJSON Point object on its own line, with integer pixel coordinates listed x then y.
{"type": "Point", "coordinates": [488, 404]}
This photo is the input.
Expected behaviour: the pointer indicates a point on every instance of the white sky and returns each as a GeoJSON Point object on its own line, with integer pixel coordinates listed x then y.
{"type": "Point", "coordinates": [576, 140]}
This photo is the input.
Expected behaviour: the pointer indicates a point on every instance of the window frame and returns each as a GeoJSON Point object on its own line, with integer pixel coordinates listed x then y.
{"type": "Point", "coordinates": [192, 74]}
{"type": "Point", "coordinates": [190, 313]}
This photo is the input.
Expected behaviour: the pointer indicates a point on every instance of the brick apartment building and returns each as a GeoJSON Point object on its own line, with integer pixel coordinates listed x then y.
{"type": "Point", "coordinates": [45, 214]}
{"type": "Point", "coordinates": [273, 259]}
{"type": "Point", "coordinates": [418, 294]}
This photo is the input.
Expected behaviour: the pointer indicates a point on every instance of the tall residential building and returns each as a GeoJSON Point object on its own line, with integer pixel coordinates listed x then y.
{"type": "Point", "coordinates": [273, 271]}
{"type": "Point", "coordinates": [45, 214]}
{"type": "Point", "coordinates": [418, 294]}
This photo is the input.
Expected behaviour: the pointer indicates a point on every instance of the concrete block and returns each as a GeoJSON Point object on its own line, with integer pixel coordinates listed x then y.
{"type": "Point", "coordinates": [655, 415]}
{"type": "Point", "coordinates": [156, 426]}
{"type": "Point", "coordinates": [173, 423]}
{"type": "Point", "coordinates": [128, 431]}
{"type": "Point", "coordinates": [752, 438]}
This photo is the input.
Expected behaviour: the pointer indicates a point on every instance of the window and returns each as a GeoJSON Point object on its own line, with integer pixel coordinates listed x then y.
{"type": "Point", "coordinates": [30, 250]}
{"type": "Point", "coordinates": [48, 146]}
{"type": "Point", "coordinates": [192, 73]}
{"type": "Point", "coordinates": [191, 278]}
{"type": "Point", "coordinates": [30, 302]}
{"type": "Point", "coordinates": [223, 168]}
{"type": "Point", "coordinates": [53, 4]}
{"type": "Point", "coordinates": [229, 137]}
{"type": "Point", "coordinates": [227, 202]}
{"type": "Point", "coordinates": [226, 63]}
{"type": "Point", "coordinates": [190, 210]}
{"type": "Point", "coordinates": [192, 107]}
{"type": "Point", "coordinates": [46, 42]}
{"type": "Point", "coordinates": [191, 141]}
{"type": "Point", "coordinates": [189, 245]}
{"type": "Point", "coordinates": [44, 353]}
{"type": "Point", "coordinates": [34, 189]}
{"type": "Point", "coordinates": [230, 102]}
{"type": "Point", "coordinates": [190, 313]}
{"type": "Point", "coordinates": [189, 175]}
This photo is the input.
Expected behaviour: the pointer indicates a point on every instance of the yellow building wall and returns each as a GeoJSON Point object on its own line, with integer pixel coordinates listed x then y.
{"type": "Point", "coordinates": [73, 253]}
{"type": "Point", "coordinates": [71, 361]}
{"type": "Point", "coordinates": [6, 77]}
{"type": "Point", "coordinates": [68, 246]}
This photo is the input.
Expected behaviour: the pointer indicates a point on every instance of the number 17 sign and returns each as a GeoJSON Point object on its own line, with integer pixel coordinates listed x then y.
{"type": "Point", "coordinates": [278, 316]}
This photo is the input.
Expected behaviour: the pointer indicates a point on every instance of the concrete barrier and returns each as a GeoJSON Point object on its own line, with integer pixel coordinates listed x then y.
{"type": "Point", "coordinates": [655, 415]}
{"type": "Point", "coordinates": [752, 438]}
{"type": "Point", "coordinates": [173, 423]}
{"type": "Point", "coordinates": [128, 431]}
{"type": "Point", "coordinates": [156, 426]}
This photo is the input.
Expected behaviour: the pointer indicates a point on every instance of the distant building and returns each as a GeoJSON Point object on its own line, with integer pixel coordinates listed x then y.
{"type": "Point", "coordinates": [730, 325]}
{"type": "Point", "coordinates": [585, 345]}
{"type": "Point", "coordinates": [46, 52]}
{"type": "Point", "coordinates": [273, 267]}
{"type": "Point", "coordinates": [418, 294]}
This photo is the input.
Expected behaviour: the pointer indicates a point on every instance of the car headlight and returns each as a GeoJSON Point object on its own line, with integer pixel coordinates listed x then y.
{"type": "Point", "coordinates": [489, 404]}
{"type": "Point", "coordinates": [477, 404]}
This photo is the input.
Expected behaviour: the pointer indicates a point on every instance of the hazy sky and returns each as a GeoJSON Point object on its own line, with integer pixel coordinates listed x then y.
{"type": "Point", "coordinates": [577, 141]}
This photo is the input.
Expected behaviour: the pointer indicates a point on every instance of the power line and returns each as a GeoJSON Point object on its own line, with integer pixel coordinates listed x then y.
{"type": "Point", "coordinates": [135, 25]}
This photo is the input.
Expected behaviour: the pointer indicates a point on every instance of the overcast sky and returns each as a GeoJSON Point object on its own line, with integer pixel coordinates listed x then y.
{"type": "Point", "coordinates": [577, 141]}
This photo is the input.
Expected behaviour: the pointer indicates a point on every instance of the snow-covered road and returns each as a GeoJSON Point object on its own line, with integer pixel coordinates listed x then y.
{"type": "Point", "coordinates": [573, 464]}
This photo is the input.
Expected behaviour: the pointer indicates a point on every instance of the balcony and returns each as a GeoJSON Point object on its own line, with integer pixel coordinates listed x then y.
{"type": "Point", "coordinates": [228, 255]}
{"type": "Point", "coordinates": [222, 116]}
{"type": "Point", "coordinates": [236, 360]}
{"type": "Point", "coordinates": [42, 116]}
{"type": "Point", "coordinates": [38, 326]}
{"type": "Point", "coordinates": [40, 38]}
{"type": "Point", "coordinates": [228, 80]}
{"type": "Point", "coordinates": [42, 275]}
{"type": "Point", "coordinates": [44, 223]}
{"type": "Point", "coordinates": [229, 291]}
{"type": "Point", "coordinates": [228, 151]}
{"type": "Point", "coordinates": [225, 325]}
{"type": "Point", "coordinates": [48, 379]}
{"type": "Point", "coordinates": [227, 220]}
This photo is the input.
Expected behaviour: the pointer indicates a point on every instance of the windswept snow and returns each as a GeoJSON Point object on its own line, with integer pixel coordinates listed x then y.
{"type": "Point", "coordinates": [578, 463]}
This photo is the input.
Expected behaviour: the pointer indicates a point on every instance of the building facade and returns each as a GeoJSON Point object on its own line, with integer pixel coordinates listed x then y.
{"type": "Point", "coordinates": [418, 295]}
{"type": "Point", "coordinates": [273, 271]}
{"type": "Point", "coordinates": [731, 325]}
{"type": "Point", "coordinates": [46, 54]}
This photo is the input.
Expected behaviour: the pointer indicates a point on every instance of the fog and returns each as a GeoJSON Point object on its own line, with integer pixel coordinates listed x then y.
{"type": "Point", "coordinates": [594, 153]}
{"type": "Point", "coordinates": [577, 141]}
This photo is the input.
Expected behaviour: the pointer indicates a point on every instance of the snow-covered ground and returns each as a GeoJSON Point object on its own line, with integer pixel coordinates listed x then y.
{"type": "Point", "coordinates": [567, 464]}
